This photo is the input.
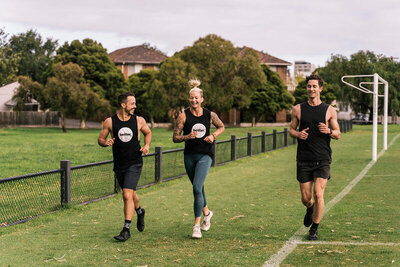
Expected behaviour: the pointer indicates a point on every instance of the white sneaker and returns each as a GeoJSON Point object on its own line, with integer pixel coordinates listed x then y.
{"type": "Point", "coordinates": [205, 226]}
{"type": "Point", "coordinates": [196, 231]}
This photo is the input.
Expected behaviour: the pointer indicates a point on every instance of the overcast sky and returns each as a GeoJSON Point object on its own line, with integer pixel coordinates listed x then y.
{"type": "Point", "coordinates": [292, 30]}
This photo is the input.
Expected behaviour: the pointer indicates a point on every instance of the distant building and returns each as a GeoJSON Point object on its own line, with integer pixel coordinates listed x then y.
{"type": "Point", "coordinates": [278, 65]}
{"type": "Point", "coordinates": [133, 59]}
{"type": "Point", "coordinates": [7, 103]}
{"type": "Point", "coordinates": [303, 68]}
{"type": "Point", "coordinates": [6, 94]}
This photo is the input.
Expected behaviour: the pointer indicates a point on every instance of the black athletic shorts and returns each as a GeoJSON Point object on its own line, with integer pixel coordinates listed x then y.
{"type": "Point", "coordinates": [129, 178]}
{"type": "Point", "coordinates": [308, 170]}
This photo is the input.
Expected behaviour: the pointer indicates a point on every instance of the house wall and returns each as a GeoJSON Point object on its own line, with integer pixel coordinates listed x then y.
{"type": "Point", "coordinates": [6, 93]}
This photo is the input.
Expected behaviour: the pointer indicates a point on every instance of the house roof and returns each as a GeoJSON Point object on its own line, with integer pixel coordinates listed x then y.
{"type": "Point", "coordinates": [266, 58]}
{"type": "Point", "coordinates": [143, 54]}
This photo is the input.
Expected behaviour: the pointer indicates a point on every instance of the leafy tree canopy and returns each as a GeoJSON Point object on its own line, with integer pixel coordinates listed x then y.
{"type": "Point", "coordinates": [103, 77]}
{"type": "Point", "coordinates": [35, 55]}
{"type": "Point", "coordinates": [363, 63]}
{"type": "Point", "coordinates": [227, 79]}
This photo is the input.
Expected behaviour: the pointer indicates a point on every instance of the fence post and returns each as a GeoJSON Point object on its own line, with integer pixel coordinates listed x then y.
{"type": "Point", "coordinates": [274, 141]}
{"type": "Point", "coordinates": [263, 141]}
{"type": "Point", "coordinates": [65, 165]}
{"type": "Point", "coordinates": [286, 136]}
{"type": "Point", "coordinates": [249, 143]}
{"type": "Point", "coordinates": [214, 150]}
{"type": "Point", "coordinates": [158, 165]}
{"type": "Point", "coordinates": [233, 147]}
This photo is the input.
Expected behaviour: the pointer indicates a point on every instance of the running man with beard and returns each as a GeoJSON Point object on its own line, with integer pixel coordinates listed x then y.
{"type": "Point", "coordinates": [195, 123]}
{"type": "Point", "coordinates": [125, 128]}
{"type": "Point", "coordinates": [313, 150]}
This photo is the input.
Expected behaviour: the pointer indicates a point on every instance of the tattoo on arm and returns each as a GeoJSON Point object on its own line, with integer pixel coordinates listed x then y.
{"type": "Point", "coordinates": [177, 137]}
{"type": "Point", "coordinates": [216, 121]}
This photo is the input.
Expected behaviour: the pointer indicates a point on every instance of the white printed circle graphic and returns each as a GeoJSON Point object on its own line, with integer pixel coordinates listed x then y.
{"type": "Point", "coordinates": [125, 134]}
{"type": "Point", "coordinates": [200, 129]}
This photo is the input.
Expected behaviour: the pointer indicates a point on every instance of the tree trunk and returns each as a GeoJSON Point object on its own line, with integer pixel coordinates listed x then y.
{"type": "Point", "coordinates": [234, 116]}
{"type": "Point", "coordinates": [83, 124]}
{"type": "Point", "coordinates": [253, 122]}
{"type": "Point", "coordinates": [64, 129]}
{"type": "Point", "coordinates": [152, 122]}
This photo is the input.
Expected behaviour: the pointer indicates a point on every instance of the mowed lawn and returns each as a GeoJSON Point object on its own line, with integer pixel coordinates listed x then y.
{"type": "Point", "coordinates": [257, 208]}
{"type": "Point", "coordinates": [29, 150]}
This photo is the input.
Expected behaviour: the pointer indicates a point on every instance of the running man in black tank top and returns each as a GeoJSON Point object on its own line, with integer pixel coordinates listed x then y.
{"type": "Point", "coordinates": [195, 123]}
{"type": "Point", "coordinates": [124, 128]}
{"type": "Point", "coordinates": [313, 150]}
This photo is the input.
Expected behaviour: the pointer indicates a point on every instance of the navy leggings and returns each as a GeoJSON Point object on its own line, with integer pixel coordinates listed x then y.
{"type": "Point", "coordinates": [197, 166]}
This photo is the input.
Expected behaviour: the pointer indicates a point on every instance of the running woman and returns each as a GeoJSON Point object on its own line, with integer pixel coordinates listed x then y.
{"type": "Point", "coordinates": [195, 123]}
{"type": "Point", "coordinates": [125, 128]}
{"type": "Point", "coordinates": [313, 150]}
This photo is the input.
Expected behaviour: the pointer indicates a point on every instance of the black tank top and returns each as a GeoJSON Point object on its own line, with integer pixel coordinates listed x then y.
{"type": "Point", "coordinates": [317, 146]}
{"type": "Point", "coordinates": [126, 148]}
{"type": "Point", "coordinates": [201, 125]}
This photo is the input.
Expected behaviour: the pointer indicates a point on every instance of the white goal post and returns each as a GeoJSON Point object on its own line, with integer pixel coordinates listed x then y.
{"type": "Point", "coordinates": [377, 80]}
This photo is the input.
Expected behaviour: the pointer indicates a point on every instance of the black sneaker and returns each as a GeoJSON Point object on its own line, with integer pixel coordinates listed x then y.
{"type": "Point", "coordinates": [312, 234]}
{"type": "Point", "coordinates": [124, 235]}
{"type": "Point", "coordinates": [140, 221]}
{"type": "Point", "coordinates": [308, 216]}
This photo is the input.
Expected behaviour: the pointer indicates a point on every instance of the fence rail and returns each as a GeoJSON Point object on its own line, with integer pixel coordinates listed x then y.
{"type": "Point", "coordinates": [27, 196]}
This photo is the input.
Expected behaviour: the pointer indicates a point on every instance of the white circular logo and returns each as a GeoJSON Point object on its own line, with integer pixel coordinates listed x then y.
{"type": "Point", "coordinates": [200, 129]}
{"type": "Point", "coordinates": [125, 134]}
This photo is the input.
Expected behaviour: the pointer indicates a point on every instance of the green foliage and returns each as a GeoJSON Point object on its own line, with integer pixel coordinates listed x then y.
{"type": "Point", "coordinates": [328, 94]}
{"type": "Point", "coordinates": [227, 80]}
{"type": "Point", "coordinates": [27, 91]}
{"type": "Point", "coordinates": [8, 61]}
{"type": "Point", "coordinates": [174, 75]}
{"type": "Point", "coordinates": [272, 97]}
{"type": "Point", "coordinates": [363, 63]}
{"type": "Point", "coordinates": [35, 55]}
{"type": "Point", "coordinates": [150, 94]}
{"type": "Point", "coordinates": [67, 93]}
{"type": "Point", "coordinates": [103, 77]}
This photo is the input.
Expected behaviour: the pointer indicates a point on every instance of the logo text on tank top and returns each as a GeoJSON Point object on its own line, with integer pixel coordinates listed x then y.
{"type": "Point", "coordinates": [125, 134]}
{"type": "Point", "coordinates": [200, 129]}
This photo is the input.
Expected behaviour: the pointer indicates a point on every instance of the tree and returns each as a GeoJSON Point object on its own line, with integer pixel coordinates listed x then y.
{"type": "Point", "coordinates": [174, 76]}
{"type": "Point", "coordinates": [227, 79]}
{"type": "Point", "coordinates": [363, 63]}
{"type": "Point", "coordinates": [26, 92]}
{"type": "Point", "coordinates": [150, 94]}
{"type": "Point", "coordinates": [270, 98]}
{"type": "Point", "coordinates": [8, 61]}
{"type": "Point", "coordinates": [328, 94]}
{"type": "Point", "coordinates": [35, 55]}
{"type": "Point", "coordinates": [103, 77]}
{"type": "Point", "coordinates": [67, 93]}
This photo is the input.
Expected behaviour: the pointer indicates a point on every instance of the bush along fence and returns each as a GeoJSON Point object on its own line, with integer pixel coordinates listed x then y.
{"type": "Point", "coordinates": [27, 196]}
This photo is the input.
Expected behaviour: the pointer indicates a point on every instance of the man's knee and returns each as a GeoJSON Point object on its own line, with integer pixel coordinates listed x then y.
{"type": "Point", "coordinates": [319, 195]}
{"type": "Point", "coordinates": [306, 200]}
{"type": "Point", "coordinates": [128, 194]}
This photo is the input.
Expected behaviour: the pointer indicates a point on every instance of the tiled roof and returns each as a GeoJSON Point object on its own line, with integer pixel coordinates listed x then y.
{"type": "Point", "coordinates": [266, 58]}
{"type": "Point", "coordinates": [138, 54]}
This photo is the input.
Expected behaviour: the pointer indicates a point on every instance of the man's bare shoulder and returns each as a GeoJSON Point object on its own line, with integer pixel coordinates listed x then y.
{"type": "Point", "coordinates": [108, 122]}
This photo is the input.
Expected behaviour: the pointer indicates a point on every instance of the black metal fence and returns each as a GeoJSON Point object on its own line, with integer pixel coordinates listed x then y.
{"type": "Point", "coordinates": [26, 196]}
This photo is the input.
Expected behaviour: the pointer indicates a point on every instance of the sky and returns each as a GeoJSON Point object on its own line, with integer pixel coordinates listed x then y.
{"type": "Point", "coordinates": [291, 30]}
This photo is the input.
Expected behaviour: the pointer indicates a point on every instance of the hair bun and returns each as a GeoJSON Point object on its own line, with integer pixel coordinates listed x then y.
{"type": "Point", "coordinates": [194, 83]}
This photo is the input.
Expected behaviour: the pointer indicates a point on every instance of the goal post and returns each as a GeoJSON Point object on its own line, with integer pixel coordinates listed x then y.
{"type": "Point", "coordinates": [377, 80]}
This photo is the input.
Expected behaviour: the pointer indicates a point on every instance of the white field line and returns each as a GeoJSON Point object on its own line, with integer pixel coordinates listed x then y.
{"type": "Point", "coordinates": [291, 244]}
{"type": "Point", "coordinates": [348, 243]}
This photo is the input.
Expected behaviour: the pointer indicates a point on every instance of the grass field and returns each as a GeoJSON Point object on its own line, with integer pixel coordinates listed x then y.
{"type": "Point", "coordinates": [29, 150]}
{"type": "Point", "coordinates": [257, 209]}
